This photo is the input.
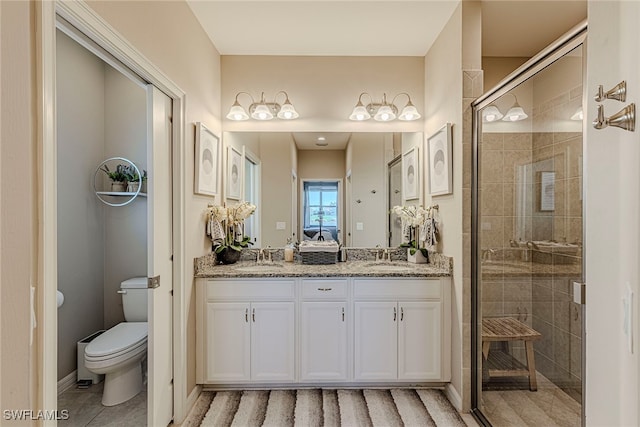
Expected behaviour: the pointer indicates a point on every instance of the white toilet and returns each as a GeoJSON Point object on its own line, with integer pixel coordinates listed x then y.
{"type": "Point", "coordinates": [118, 353]}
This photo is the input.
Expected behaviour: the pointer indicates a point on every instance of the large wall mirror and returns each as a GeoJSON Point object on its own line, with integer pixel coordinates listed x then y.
{"type": "Point", "coordinates": [326, 185]}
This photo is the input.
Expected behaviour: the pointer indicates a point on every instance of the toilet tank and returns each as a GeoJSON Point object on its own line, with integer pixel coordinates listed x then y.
{"type": "Point", "coordinates": [134, 299]}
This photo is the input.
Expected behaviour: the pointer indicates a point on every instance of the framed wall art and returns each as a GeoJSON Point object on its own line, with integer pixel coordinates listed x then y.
{"type": "Point", "coordinates": [207, 161]}
{"type": "Point", "coordinates": [234, 174]}
{"type": "Point", "coordinates": [410, 174]}
{"type": "Point", "coordinates": [440, 158]}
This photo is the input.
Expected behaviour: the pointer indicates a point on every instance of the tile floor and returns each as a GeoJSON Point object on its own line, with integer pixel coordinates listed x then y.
{"type": "Point", "coordinates": [85, 409]}
{"type": "Point", "coordinates": [549, 406]}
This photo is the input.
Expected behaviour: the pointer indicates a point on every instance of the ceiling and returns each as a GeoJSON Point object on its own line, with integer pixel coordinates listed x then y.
{"type": "Point", "coordinates": [331, 141]}
{"type": "Point", "coordinates": [377, 28]}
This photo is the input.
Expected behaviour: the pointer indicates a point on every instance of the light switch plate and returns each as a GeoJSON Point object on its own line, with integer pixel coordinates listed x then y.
{"type": "Point", "coordinates": [281, 225]}
{"type": "Point", "coordinates": [359, 226]}
{"type": "Point", "coordinates": [578, 292]}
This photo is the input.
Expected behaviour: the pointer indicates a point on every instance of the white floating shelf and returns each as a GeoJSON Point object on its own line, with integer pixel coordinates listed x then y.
{"type": "Point", "coordinates": [120, 193]}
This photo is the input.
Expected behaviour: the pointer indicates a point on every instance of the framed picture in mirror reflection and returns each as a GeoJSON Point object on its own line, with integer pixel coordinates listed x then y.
{"type": "Point", "coordinates": [410, 174]}
{"type": "Point", "coordinates": [440, 169]}
{"type": "Point", "coordinates": [234, 174]}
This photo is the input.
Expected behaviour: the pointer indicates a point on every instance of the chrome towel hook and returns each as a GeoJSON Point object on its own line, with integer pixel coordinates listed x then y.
{"type": "Point", "coordinates": [618, 92]}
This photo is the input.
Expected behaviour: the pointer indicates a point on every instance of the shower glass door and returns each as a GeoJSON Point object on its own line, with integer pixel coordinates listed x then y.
{"type": "Point", "coordinates": [528, 246]}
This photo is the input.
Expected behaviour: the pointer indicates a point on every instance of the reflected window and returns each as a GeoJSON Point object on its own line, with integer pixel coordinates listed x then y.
{"type": "Point", "coordinates": [320, 207]}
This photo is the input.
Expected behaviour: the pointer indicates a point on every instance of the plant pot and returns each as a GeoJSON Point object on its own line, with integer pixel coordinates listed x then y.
{"type": "Point", "coordinates": [132, 187]}
{"type": "Point", "coordinates": [144, 187]}
{"type": "Point", "coordinates": [118, 186]}
{"type": "Point", "coordinates": [228, 256]}
{"type": "Point", "coordinates": [417, 257]}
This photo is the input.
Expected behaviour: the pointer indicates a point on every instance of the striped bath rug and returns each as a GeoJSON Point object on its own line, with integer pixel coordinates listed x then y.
{"type": "Point", "coordinates": [327, 407]}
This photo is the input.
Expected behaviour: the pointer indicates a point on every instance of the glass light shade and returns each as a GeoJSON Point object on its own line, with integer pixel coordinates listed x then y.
{"type": "Point", "coordinates": [262, 112]}
{"type": "Point", "coordinates": [237, 112]}
{"type": "Point", "coordinates": [409, 112]}
{"type": "Point", "coordinates": [384, 114]}
{"type": "Point", "coordinates": [287, 112]}
{"type": "Point", "coordinates": [578, 115]}
{"type": "Point", "coordinates": [359, 113]}
{"type": "Point", "coordinates": [491, 114]}
{"type": "Point", "coordinates": [515, 113]}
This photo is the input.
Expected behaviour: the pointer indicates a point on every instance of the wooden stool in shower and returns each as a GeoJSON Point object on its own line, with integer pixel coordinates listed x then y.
{"type": "Point", "coordinates": [506, 329]}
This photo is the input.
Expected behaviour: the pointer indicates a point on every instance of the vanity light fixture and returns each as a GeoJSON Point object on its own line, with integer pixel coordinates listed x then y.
{"type": "Point", "coordinates": [384, 111]}
{"type": "Point", "coordinates": [263, 110]}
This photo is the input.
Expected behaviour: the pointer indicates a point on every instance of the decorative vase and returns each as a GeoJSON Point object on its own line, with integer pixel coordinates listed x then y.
{"type": "Point", "coordinates": [417, 257]}
{"type": "Point", "coordinates": [132, 187]}
{"type": "Point", "coordinates": [118, 186]}
{"type": "Point", "coordinates": [228, 256]}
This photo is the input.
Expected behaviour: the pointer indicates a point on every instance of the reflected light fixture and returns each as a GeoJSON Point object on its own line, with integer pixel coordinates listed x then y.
{"type": "Point", "coordinates": [515, 113]}
{"type": "Point", "coordinates": [384, 111]}
{"type": "Point", "coordinates": [492, 113]}
{"type": "Point", "coordinates": [578, 115]}
{"type": "Point", "coordinates": [263, 110]}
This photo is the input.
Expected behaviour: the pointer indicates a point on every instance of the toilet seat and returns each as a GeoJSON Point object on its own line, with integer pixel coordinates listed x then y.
{"type": "Point", "coordinates": [124, 338]}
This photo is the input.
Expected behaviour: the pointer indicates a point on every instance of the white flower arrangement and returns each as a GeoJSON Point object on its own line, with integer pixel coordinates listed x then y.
{"type": "Point", "coordinates": [225, 226]}
{"type": "Point", "coordinates": [413, 217]}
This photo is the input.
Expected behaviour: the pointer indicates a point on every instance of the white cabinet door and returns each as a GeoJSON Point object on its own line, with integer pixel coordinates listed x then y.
{"type": "Point", "coordinates": [228, 342]}
{"type": "Point", "coordinates": [419, 341]}
{"type": "Point", "coordinates": [376, 340]}
{"type": "Point", "coordinates": [323, 340]}
{"type": "Point", "coordinates": [272, 341]}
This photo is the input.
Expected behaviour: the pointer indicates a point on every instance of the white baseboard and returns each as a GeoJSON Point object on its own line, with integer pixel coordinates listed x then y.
{"type": "Point", "coordinates": [189, 404]}
{"type": "Point", "coordinates": [67, 382]}
{"type": "Point", "coordinates": [453, 396]}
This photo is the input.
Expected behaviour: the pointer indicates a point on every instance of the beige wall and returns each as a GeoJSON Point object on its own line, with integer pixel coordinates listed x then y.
{"type": "Point", "coordinates": [18, 214]}
{"type": "Point", "coordinates": [497, 68]}
{"type": "Point", "coordinates": [276, 204]}
{"type": "Point", "coordinates": [323, 89]}
{"type": "Point", "coordinates": [612, 185]}
{"type": "Point", "coordinates": [169, 35]}
{"type": "Point", "coordinates": [443, 95]}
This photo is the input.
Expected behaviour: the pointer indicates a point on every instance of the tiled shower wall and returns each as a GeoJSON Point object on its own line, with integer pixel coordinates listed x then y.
{"type": "Point", "coordinates": [542, 299]}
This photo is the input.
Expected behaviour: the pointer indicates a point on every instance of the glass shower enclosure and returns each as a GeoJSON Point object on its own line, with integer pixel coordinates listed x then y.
{"type": "Point", "coordinates": [527, 226]}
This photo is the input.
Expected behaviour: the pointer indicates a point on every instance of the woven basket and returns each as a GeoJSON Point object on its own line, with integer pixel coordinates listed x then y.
{"type": "Point", "coordinates": [319, 257]}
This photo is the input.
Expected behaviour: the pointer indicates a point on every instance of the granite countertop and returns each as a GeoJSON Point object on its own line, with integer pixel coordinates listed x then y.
{"type": "Point", "coordinates": [440, 266]}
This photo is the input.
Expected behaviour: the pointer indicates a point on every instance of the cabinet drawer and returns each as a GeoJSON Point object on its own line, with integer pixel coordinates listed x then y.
{"type": "Point", "coordinates": [397, 288]}
{"type": "Point", "coordinates": [324, 289]}
{"type": "Point", "coordinates": [282, 289]}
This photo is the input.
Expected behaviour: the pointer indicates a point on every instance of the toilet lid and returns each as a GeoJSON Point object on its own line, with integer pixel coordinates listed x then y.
{"type": "Point", "coordinates": [117, 339]}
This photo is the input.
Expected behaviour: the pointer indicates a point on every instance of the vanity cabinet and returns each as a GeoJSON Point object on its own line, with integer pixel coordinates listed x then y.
{"type": "Point", "coordinates": [399, 330]}
{"type": "Point", "coordinates": [324, 331]}
{"type": "Point", "coordinates": [248, 331]}
{"type": "Point", "coordinates": [358, 330]}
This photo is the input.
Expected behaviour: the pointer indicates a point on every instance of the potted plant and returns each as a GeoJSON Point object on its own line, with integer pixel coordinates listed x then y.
{"type": "Point", "coordinates": [133, 178]}
{"type": "Point", "coordinates": [225, 227]}
{"type": "Point", "coordinates": [413, 217]}
{"type": "Point", "coordinates": [118, 177]}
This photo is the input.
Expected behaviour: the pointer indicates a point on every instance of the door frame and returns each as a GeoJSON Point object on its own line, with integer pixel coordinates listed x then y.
{"type": "Point", "coordinates": [575, 37]}
{"type": "Point", "coordinates": [81, 16]}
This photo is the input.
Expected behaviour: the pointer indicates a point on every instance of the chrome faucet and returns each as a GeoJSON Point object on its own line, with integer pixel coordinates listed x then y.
{"type": "Point", "coordinates": [260, 255]}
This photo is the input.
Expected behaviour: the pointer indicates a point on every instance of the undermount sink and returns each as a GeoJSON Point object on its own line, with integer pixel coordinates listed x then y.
{"type": "Point", "coordinates": [259, 267]}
